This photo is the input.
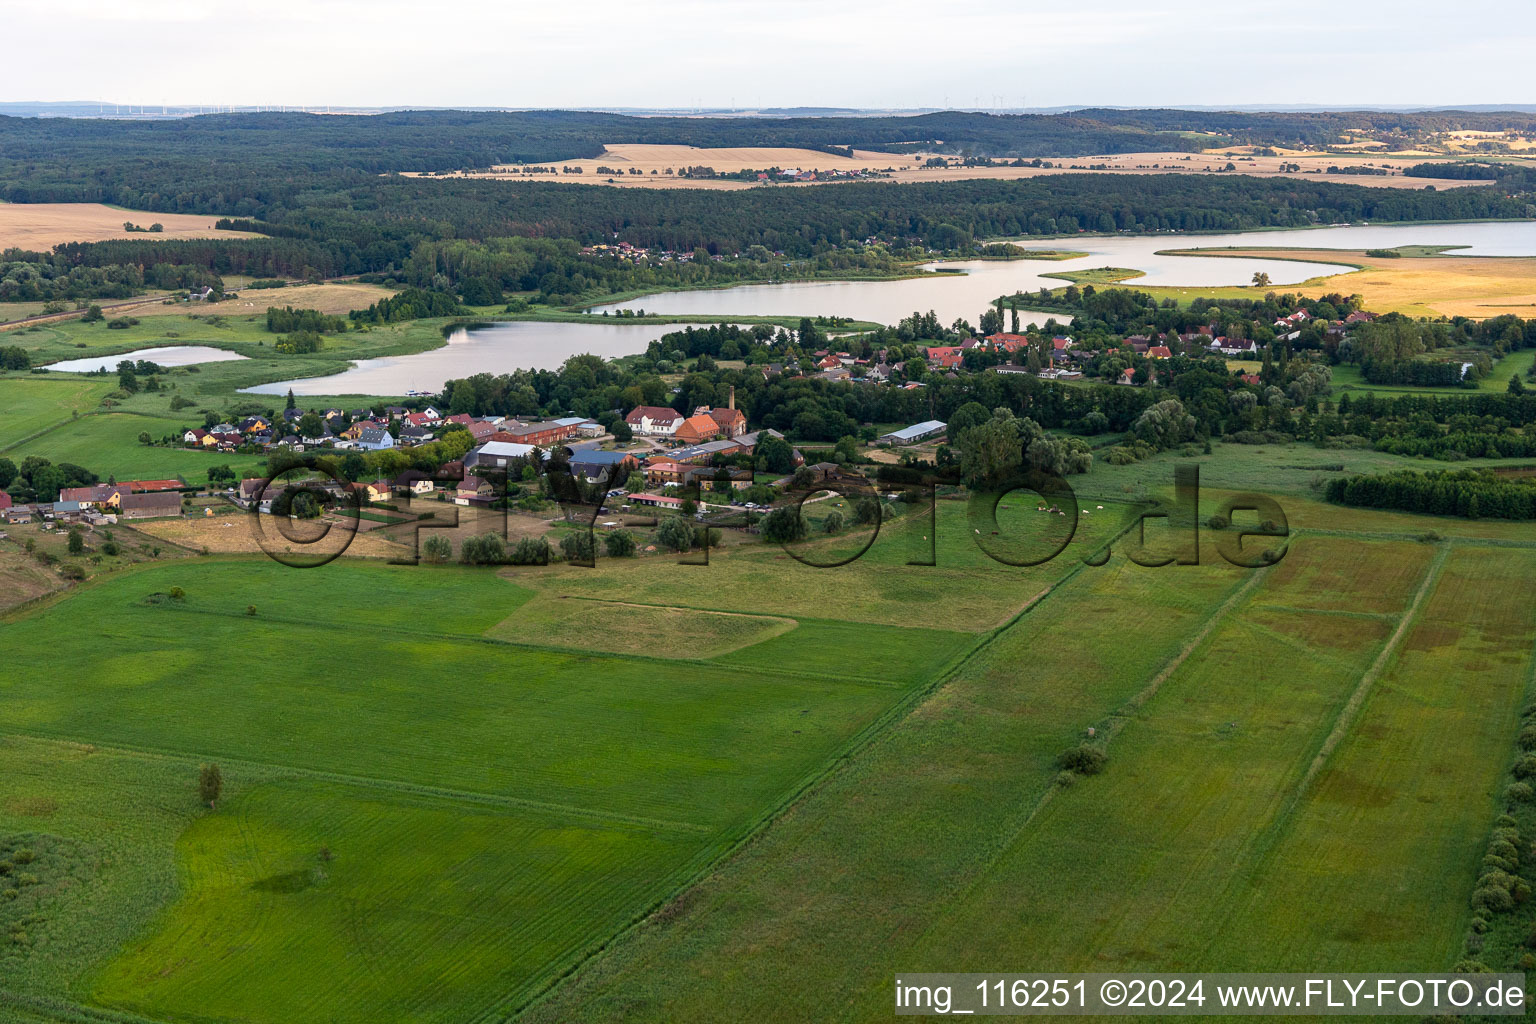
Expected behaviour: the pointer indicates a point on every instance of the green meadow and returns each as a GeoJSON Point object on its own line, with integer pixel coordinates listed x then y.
{"type": "Point", "coordinates": [1303, 765]}
{"type": "Point", "coordinates": [435, 782]}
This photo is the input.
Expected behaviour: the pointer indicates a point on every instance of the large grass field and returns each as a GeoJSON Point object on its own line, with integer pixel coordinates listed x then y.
{"type": "Point", "coordinates": [29, 405]}
{"type": "Point", "coordinates": [450, 787]}
{"type": "Point", "coordinates": [1303, 766]}
{"type": "Point", "coordinates": [494, 794]}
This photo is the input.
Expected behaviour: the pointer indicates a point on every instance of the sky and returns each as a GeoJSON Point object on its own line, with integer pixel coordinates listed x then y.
{"type": "Point", "coordinates": [727, 53]}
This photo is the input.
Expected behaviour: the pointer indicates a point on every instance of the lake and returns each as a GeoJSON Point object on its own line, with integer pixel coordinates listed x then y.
{"type": "Point", "coordinates": [502, 347]}
{"type": "Point", "coordinates": [966, 295]}
{"type": "Point", "coordinates": [168, 355]}
{"type": "Point", "coordinates": [484, 348]}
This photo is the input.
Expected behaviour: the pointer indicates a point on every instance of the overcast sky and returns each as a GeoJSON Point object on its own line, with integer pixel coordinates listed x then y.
{"type": "Point", "coordinates": [685, 53]}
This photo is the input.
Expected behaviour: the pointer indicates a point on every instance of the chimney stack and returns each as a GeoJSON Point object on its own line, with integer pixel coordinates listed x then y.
{"type": "Point", "coordinates": [733, 396]}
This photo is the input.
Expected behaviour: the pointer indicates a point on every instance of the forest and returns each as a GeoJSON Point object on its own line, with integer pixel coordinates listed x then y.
{"type": "Point", "coordinates": [375, 227]}
{"type": "Point", "coordinates": [1474, 494]}
{"type": "Point", "coordinates": [191, 164]}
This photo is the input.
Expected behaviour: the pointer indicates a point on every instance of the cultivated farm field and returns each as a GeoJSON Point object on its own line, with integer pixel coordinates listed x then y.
{"type": "Point", "coordinates": [909, 167]}
{"type": "Point", "coordinates": [39, 227]}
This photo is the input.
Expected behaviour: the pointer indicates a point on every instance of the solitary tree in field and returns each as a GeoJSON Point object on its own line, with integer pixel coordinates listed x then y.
{"type": "Point", "coordinates": [76, 542]}
{"type": "Point", "coordinates": [209, 784]}
{"type": "Point", "coordinates": [437, 549]}
{"type": "Point", "coordinates": [1260, 279]}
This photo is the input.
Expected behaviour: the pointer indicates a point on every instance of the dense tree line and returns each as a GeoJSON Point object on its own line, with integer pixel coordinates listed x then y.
{"type": "Point", "coordinates": [1454, 169]}
{"type": "Point", "coordinates": [942, 215]}
{"type": "Point", "coordinates": [1508, 409]}
{"type": "Point", "coordinates": [57, 277]}
{"type": "Point", "coordinates": [411, 304]}
{"type": "Point", "coordinates": [1470, 493]}
{"type": "Point", "coordinates": [377, 224]}
{"type": "Point", "coordinates": [1417, 373]}
{"type": "Point", "coordinates": [281, 321]}
{"type": "Point", "coordinates": [1462, 444]}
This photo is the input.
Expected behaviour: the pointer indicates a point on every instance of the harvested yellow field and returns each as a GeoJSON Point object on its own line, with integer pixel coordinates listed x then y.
{"type": "Point", "coordinates": [653, 162]}
{"type": "Point", "coordinates": [335, 298]}
{"type": "Point", "coordinates": [1463, 140]}
{"type": "Point", "coordinates": [234, 533]}
{"type": "Point", "coordinates": [1470, 286]}
{"type": "Point", "coordinates": [41, 226]}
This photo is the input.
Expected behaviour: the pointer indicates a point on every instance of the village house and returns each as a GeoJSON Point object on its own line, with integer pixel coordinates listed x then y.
{"type": "Point", "coordinates": [375, 440]}
{"type": "Point", "coordinates": [730, 420]}
{"type": "Point", "coordinates": [414, 435]}
{"type": "Point", "coordinates": [697, 429]}
{"type": "Point", "coordinates": [248, 491]}
{"type": "Point", "coordinates": [415, 483]}
{"type": "Point", "coordinates": [65, 512]}
{"type": "Point", "coordinates": [1236, 347]}
{"type": "Point", "coordinates": [945, 356]}
{"type": "Point", "coordinates": [746, 444]}
{"type": "Point", "coordinates": [660, 500]}
{"type": "Point", "coordinates": [654, 421]}
{"type": "Point", "coordinates": [1007, 342]}
{"type": "Point", "coordinates": [473, 490]}
{"type": "Point", "coordinates": [593, 465]}
{"type": "Point", "coordinates": [664, 473]}
{"type": "Point", "coordinates": [150, 505]}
